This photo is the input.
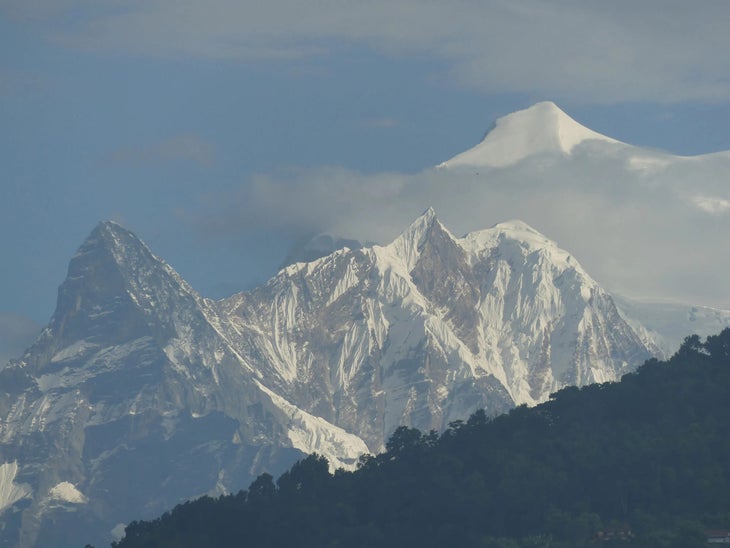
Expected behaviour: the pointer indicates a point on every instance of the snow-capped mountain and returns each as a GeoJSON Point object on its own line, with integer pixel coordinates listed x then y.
{"type": "Point", "coordinates": [574, 156]}
{"type": "Point", "coordinates": [541, 128]}
{"type": "Point", "coordinates": [131, 401]}
{"type": "Point", "coordinates": [645, 222]}
{"type": "Point", "coordinates": [430, 327]}
{"type": "Point", "coordinates": [140, 393]}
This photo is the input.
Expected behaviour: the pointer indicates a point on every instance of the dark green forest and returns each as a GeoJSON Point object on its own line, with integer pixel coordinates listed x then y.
{"type": "Point", "coordinates": [641, 462]}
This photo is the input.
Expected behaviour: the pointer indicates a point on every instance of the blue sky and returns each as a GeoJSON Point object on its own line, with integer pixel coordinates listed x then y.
{"type": "Point", "coordinates": [154, 113]}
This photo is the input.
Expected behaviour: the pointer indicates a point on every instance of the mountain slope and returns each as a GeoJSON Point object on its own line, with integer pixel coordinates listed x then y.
{"type": "Point", "coordinates": [642, 462]}
{"type": "Point", "coordinates": [431, 327]}
{"type": "Point", "coordinates": [140, 393]}
{"type": "Point", "coordinates": [132, 398]}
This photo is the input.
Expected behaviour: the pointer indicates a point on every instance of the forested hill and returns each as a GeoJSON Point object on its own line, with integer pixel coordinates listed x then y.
{"type": "Point", "coordinates": [645, 461]}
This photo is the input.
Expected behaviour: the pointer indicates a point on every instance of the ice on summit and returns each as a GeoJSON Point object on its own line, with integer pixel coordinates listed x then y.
{"type": "Point", "coordinates": [539, 129]}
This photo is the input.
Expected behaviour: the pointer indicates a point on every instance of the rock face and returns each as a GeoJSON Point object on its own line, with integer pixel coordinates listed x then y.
{"type": "Point", "coordinates": [140, 394]}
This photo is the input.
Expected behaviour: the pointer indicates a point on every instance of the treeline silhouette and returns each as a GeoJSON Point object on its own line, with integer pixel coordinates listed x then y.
{"type": "Point", "coordinates": [643, 462]}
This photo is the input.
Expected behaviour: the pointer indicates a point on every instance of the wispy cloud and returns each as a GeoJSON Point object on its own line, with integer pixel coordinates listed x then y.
{"type": "Point", "coordinates": [187, 147]}
{"type": "Point", "coordinates": [712, 204]}
{"type": "Point", "coordinates": [666, 50]}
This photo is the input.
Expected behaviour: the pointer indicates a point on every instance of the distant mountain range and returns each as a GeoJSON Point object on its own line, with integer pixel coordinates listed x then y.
{"type": "Point", "coordinates": [140, 393]}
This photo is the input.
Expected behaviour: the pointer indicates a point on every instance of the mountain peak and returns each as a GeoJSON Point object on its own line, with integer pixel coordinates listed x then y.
{"type": "Point", "coordinates": [528, 239]}
{"type": "Point", "coordinates": [541, 128]}
{"type": "Point", "coordinates": [409, 243]}
{"type": "Point", "coordinates": [110, 225]}
{"type": "Point", "coordinates": [421, 226]}
{"type": "Point", "coordinates": [112, 274]}
{"type": "Point", "coordinates": [516, 225]}
{"type": "Point", "coordinates": [112, 236]}
{"type": "Point", "coordinates": [513, 229]}
{"type": "Point", "coordinates": [529, 236]}
{"type": "Point", "coordinates": [430, 213]}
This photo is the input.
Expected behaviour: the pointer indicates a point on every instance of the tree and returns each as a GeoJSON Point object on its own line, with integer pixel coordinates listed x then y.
{"type": "Point", "coordinates": [262, 489]}
{"type": "Point", "coordinates": [403, 441]}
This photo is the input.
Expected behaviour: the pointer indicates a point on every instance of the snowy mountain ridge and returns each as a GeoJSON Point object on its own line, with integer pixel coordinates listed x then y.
{"type": "Point", "coordinates": [328, 356]}
{"type": "Point", "coordinates": [140, 393]}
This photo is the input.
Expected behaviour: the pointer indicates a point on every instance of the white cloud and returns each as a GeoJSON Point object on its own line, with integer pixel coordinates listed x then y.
{"type": "Point", "coordinates": [634, 231]}
{"type": "Point", "coordinates": [665, 50]}
{"type": "Point", "coordinates": [712, 205]}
